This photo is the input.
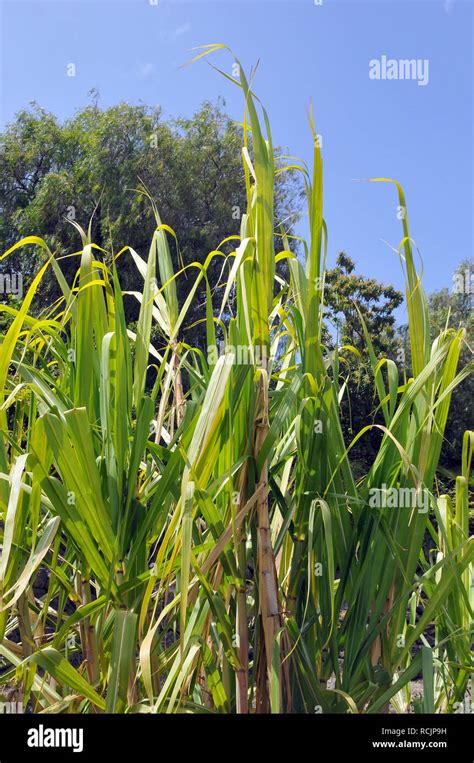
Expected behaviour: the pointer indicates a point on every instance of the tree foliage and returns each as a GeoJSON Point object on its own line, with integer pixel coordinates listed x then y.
{"type": "Point", "coordinates": [453, 308]}
{"type": "Point", "coordinates": [348, 297]}
{"type": "Point", "coordinates": [91, 166]}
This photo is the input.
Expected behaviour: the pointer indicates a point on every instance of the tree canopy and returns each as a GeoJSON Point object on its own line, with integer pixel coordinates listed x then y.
{"type": "Point", "coordinates": [453, 309]}
{"type": "Point", "coordinates": [92, 164]}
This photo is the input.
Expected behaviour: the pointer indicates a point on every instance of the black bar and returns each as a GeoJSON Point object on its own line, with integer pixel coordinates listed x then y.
{"type": "Point", "coordinates": [315, 737]}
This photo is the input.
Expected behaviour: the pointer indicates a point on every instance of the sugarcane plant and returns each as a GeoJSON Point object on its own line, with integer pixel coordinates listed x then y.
{"type": "Point", "coordinates": [206, 545]}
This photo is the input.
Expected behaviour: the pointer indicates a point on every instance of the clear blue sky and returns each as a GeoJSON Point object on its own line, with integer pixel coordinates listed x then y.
{"type": "Point", "coordinates": [421, 135]}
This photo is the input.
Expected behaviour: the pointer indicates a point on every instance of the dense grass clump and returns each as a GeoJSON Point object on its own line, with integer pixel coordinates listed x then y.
{"type": "Point", "coordinates": [206, 545]}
